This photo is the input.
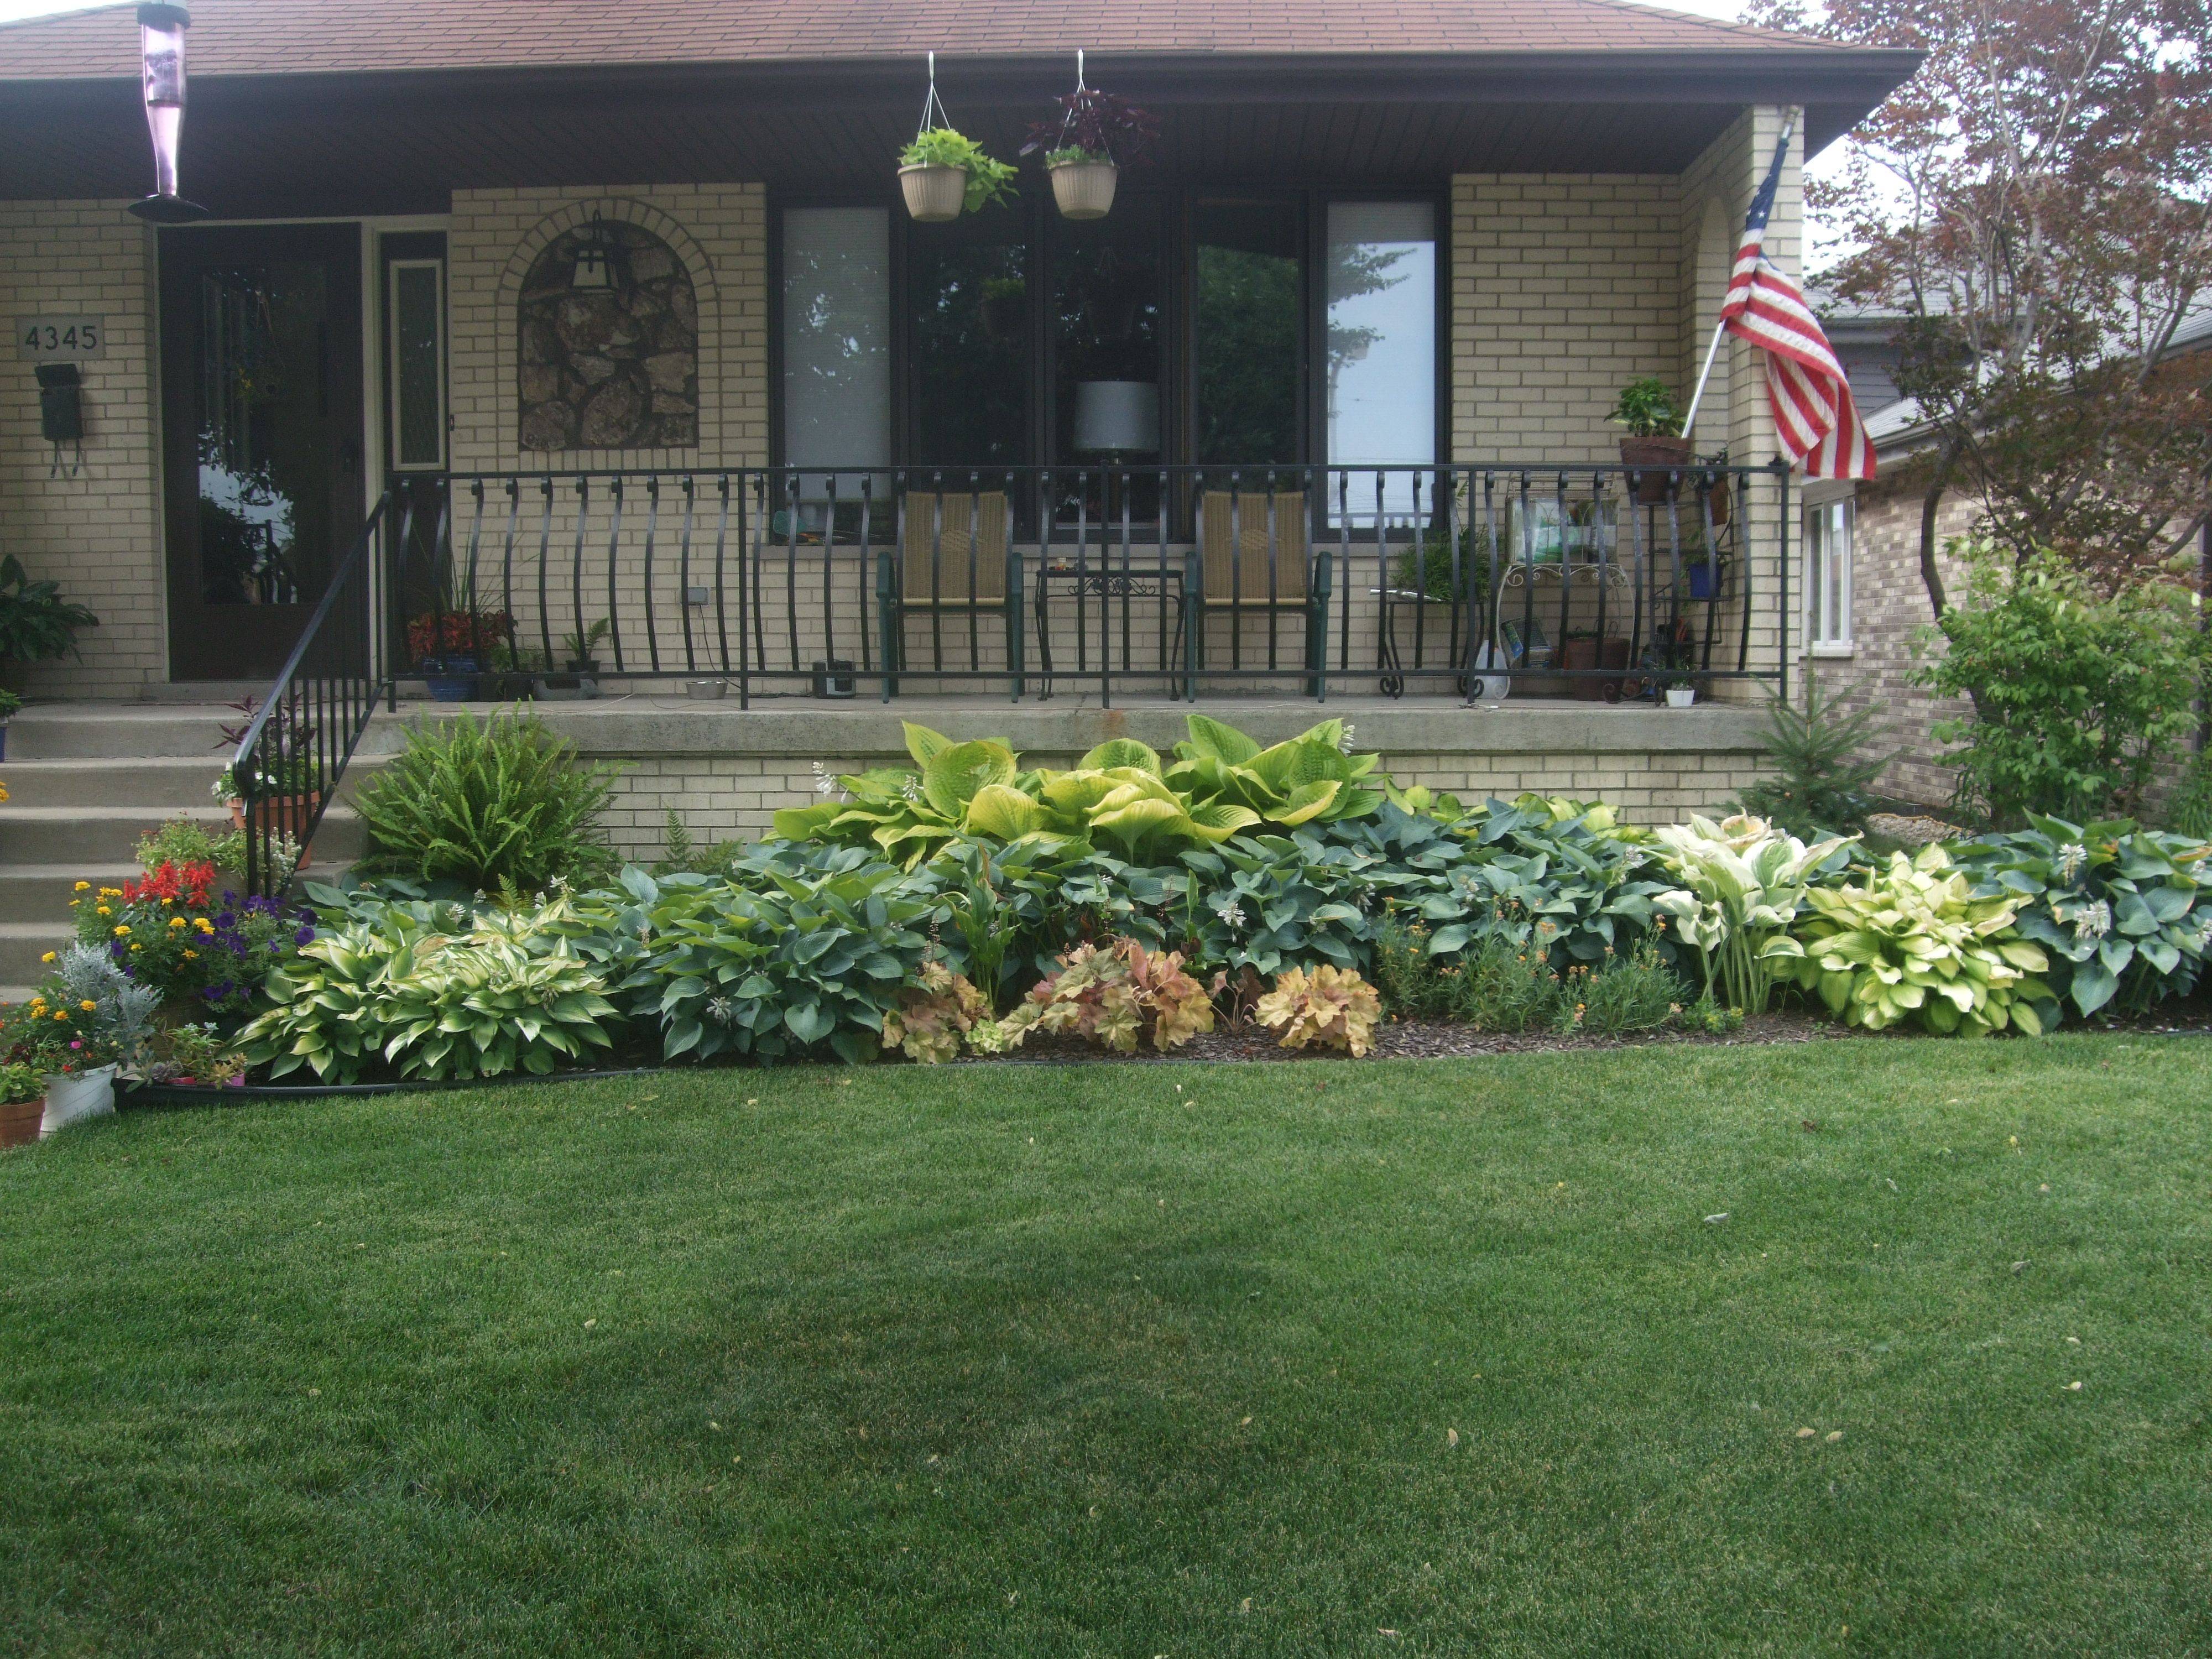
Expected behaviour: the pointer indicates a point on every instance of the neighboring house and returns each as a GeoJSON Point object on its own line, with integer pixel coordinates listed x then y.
{"type": "Point", "coordinates": [614, 308]}
{"type": "Point", "coordinates": [1867, 614]}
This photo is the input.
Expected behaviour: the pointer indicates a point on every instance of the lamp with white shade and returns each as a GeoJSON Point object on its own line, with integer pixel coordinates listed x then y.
{"type": "Point", "coordinates": [1117, 417]}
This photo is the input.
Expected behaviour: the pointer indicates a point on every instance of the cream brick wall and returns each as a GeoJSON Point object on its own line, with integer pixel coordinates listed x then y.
{"type": "Point", "coordinates": [721, 232]}
{"type": "Point", "coordinates": [98, 533]}
{"type": "Point", "coordinates": [726, 797]}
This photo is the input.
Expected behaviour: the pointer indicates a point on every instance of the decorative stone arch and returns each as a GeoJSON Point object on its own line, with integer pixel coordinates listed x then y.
{"type": "Point", "coordinates": [610, 370]}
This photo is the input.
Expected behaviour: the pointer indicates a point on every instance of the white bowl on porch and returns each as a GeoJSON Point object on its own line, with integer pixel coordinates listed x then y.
{"type": "Point", "coordinates": [935, 193]}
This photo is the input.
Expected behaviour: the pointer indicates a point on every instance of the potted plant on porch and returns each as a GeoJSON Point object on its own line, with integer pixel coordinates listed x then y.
{"type": "Point", "coordinates": [288, 774]}
{"type": "Point", "coordinates": [943, 173]}
{"type": "Point", "coordinates": [1097, 136]}
{"type": "Point", "coordinates": [11, 705]}
{"type": "Point", "coordinates": [36, 623]}
{"type": "Point", "coordinates": [1654, 445]}
{"type": "Point", "coordinates": [452, 646]}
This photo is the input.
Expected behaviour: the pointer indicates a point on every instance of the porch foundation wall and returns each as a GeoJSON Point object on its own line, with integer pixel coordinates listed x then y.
{"type": "Point", "coordinates": [95, 530]}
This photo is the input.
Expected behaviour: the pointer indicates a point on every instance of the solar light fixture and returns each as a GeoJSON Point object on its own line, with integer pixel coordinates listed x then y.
{"type": "Point", "coordinates": [161, 31]}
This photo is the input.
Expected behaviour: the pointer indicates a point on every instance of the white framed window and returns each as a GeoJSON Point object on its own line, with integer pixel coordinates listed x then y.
{"type": "Point", "coordinates": [1828, 575]}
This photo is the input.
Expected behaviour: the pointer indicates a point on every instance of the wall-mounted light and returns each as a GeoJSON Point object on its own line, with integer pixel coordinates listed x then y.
{"type": "Point", "coordinates": [596, 256]}
{"type": "Point", "coordinates": [161, 57]}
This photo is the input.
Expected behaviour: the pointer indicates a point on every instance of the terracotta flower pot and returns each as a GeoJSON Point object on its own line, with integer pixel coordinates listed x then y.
{"type": "Point", "coordinates": [1656, 457]}
{"type": "Point", "coordinates": [935, 193]}
{"type": "Point", "coordinates": [1084, 189]}
{"type": "Point", "coordinates": [19, 1123]}
{"type": "Point", "coordinates": [291, 814]}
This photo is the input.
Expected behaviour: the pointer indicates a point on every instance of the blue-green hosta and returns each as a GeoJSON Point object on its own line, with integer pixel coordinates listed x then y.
{"type": "Point", "coordinates": [2124, 914]}
{"type": "Point", "coordinates": [1912, 942]}
{"type": "Point", "coordinates": [1121, 796]}
{"type": "Point", "coordinates": [431, 991]}
{"type": "Point", "coordinates": [1742, 884]}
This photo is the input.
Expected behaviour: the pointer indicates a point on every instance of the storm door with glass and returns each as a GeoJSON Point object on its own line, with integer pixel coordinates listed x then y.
{"type": "Point", "coordinates": [261, 390]}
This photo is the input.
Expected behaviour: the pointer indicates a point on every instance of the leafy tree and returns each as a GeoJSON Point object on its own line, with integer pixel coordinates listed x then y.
{"type": "Point", "coordinates": [2034, 202]}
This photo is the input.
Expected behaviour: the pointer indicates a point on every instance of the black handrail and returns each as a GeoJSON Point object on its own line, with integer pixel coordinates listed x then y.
{"type": "Point", "coordinates": [295, 749]}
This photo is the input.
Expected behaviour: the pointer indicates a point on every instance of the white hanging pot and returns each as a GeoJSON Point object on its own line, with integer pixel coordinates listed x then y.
{"type": "Point", "coordinates": [72, 1099]}
{"type": "Point", "coordinates": [1084, 189]}
{"type": "Point", "coordinates": [935, 193]}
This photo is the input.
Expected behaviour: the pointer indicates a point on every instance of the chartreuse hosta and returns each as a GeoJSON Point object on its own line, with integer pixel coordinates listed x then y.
{"type": "Point", "coordinates": [1912, 942]}
{"type": "Point", "coordinates": [1742, 882]}
{"type": "Point", "coordinates": [1122, 795]}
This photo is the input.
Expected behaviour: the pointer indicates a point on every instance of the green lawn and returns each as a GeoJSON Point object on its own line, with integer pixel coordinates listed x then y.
{"type": "Point", "coordinates": [1132, 1361]}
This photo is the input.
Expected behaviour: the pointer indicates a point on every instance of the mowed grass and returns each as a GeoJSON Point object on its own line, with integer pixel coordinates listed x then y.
{"type": "Point", "coordinates": [1427, 1357]}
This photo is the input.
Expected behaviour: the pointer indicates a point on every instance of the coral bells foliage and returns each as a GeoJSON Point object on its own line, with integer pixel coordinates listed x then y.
{"type": "Point", "coordinates": [1332, 1007]}
{"type": "Point", "coordinates": [173, 932]}
{"type": "Point", "coordinates": [935, 1014]}
{"type": "Point", "coordinates": [1117, 994]}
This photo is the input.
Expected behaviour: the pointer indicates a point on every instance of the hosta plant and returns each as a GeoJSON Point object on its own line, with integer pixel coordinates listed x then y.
{"type": "Point", "coordinates": [429, 992]}
{"type": "Point", "coordinates": [1117, 994]}
{"type": "Point", "coordinates": [1912, 942]}
{"type": "Point", "coordinates": [1332, 1007]}
{"type": "Point", "coordinates": [2124, 914]}
{"type": "Point", "coordinates": [1742, 883]}
{"type": "Point", "coordinates": [935, 1014]}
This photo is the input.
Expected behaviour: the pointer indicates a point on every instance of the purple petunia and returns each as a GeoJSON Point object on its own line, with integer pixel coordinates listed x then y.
{"type": "Point", "coordinates": [305, 936]}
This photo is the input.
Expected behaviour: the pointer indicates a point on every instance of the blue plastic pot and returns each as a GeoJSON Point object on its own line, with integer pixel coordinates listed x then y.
{"type": "Point", "coordinates": [451, 679]}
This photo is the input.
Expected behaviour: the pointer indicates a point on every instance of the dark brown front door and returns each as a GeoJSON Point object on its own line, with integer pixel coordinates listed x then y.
{"type": "Point", "coordinates": [261, 420]}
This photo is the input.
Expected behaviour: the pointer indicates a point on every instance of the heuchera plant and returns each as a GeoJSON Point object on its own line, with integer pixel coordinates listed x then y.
{"type": "Point", "coordinates": [1117, 993]}
{"type": "Point", "coordinates": [1334, 1007]}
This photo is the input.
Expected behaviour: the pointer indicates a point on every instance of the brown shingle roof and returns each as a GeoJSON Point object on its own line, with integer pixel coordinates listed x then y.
{"type": "Point", "coordinates": [275, 37]}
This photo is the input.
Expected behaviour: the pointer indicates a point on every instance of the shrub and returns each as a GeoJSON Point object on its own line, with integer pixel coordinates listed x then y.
{"type": "Point", "coordinates": [1821, 784]}
{"type": "Point", "coordinates": [1912, 942]}
{"type": "Point", "coordinates": [192, 945]}
{"type": "Point", "coordinates": [1636, 992]}
{"type": "Point", "coordinates": [2124, 915]}
{"type": "Point", "coordinates": [934, 1014]}
{"type": "Point", "coordinates": [432, 999]}
{"type": "Point", "coordinates": [1743, 882]}
{"type": "Point", "coordinates": [1116, 994]}
{"type": "Point", "coordinates": [1333, 1007]}
{"type": "Point", "coordinates": [2080, 699]}
{"type": "Point", "coordinates": [500, 806]}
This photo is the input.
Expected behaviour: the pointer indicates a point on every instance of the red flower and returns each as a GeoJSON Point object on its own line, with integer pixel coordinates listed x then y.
{"type": "Point", "coordinates": [190, 883]}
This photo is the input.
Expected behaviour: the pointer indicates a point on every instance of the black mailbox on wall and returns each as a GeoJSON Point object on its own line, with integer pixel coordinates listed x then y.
{"type": "Point", "coordinates": [61, 407]}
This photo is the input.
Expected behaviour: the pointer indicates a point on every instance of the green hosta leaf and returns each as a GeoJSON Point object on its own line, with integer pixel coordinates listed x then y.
{"type": "Point", "coordinates": [1004, 813]}
{"type": "Point", "coordinates": [1121, 752]}
{"type": "Point", "coordinates": [952, 776]}
{"type": "Point", "coordinates": [1212, 739]}
{"type": "Point", "coordinates": [924, 745]}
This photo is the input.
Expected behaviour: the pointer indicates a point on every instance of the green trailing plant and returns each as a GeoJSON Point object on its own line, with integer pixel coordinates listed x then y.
{"type": "Point", "coordinates": [1648, 409]}
{"type": "Point", "coordinates": [36, 623]}
{"type": "Point", "coordinates": [2082, 700]}
{"type": "Point", "coordinates": [19, 1081]}
{"type": "Point", "coordinates": [1823, 773]}
{"type": "Point", "coordinates": [2123, 914]}
{"type": "Point", "coordinates": [988, 179]}
{"type": "Point", "coordinates": [1329, 1007]}
{"type": "Point", "coordinates": [1912, 942]}
{"type": "Point", "coordinates": [1742, 883]}
{"type": "Point", "coordinates": [428, 992]}
{"type": "Point", "coordinates": [503, 803]}
{"type": "Point", "coordinates": [1118, 994]}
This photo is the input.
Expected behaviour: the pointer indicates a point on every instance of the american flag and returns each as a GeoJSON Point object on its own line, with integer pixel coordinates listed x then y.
{"type": "Point", "coordinates": [1811, 396]}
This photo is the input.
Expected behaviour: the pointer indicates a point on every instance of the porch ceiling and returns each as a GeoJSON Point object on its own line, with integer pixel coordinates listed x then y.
{"type": "Point", "coordinates": [311, 144]}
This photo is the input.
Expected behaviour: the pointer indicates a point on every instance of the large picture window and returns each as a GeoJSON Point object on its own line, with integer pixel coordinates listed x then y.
{"type": "Point", "coordinates": [1201, 327]}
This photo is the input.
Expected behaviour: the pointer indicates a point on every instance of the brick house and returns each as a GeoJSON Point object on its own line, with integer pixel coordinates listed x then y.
{"type": "Point", "coordinates": [610, 309]}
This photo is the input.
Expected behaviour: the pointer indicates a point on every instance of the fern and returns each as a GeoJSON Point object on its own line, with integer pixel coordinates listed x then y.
{"type": "Point", "coordinates": [504, 806]}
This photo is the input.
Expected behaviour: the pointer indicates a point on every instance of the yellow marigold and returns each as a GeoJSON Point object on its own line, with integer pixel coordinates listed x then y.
{"type": "Point", "coordinates": [49, 956]}
{"type": "Point", "coordinates": [138, 947]}
{"type": "Point", "coordinates": [87, 1005]}
{"type": "Point", "coordinates": [203, 925]}
{"type": "Point", "coordinates": [110, 892]}
{"type": "Point", "coordinates": [61, 1013]}
{"type": "Point", "coordinates": [121, 930]}
{"type": "Point", "coordinates": [176, 921]}
{"type": "Point", "coordinates": [104, 910]}
{"type": "Point", "coordinates": [192, 956]}
{"type": "Point", "coordinates": [75, 903]}
{"type": "Point", "coordinates": [82, 887]}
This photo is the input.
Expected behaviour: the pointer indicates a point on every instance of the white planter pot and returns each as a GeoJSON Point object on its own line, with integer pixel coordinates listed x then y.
{"type": "Point", "coordinates": [72, 1099]}
{"type": "Point", "coordinates": [1084, 189]}
{"type": "Point", "coordinates": [1681, 697]}
{"type": "Point", "coordinates": [935, 193]}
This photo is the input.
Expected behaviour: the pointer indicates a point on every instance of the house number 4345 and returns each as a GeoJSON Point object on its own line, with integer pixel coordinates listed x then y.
{"type": "Point", "coordinates": [53, 339]}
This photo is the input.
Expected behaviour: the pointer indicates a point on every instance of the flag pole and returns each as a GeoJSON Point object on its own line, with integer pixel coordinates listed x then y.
{"type": "Point", "coordinates": [1781, 150]}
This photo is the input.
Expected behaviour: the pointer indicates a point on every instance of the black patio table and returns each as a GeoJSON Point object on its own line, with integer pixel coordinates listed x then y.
{"type": "Point", "coordinates": [1109, 579]}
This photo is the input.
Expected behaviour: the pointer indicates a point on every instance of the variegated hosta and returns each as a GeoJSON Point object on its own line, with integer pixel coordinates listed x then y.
{"type": "Point", "coordinates": [1913, 943]}
{"type": "Point", "coordinates": [1121, 795]}
{"type": "Point", "coordinates": [502, 992]}
{"type": "Point", "coordinates": [1743, 882]}
{"type": "Point", "coordinates": [1117, 994]}
{"type": "Point", "coordinates": [1334, 1007]}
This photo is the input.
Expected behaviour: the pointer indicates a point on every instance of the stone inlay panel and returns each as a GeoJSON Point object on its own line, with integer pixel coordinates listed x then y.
{"type": "Point", "coordinates": [610, 368]}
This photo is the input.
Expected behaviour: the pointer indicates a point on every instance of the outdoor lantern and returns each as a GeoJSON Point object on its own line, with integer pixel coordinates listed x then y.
{"type": "Point", "coordinates": [1117, 416]}
{"type": "Point", "coordinates": [161, 55]}
{"type": "Point", "coordinates": [595, 259]}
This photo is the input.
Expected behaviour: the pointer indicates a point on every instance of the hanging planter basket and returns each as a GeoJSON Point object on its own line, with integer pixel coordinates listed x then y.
{"type": "Point", "coordinates": [1084, 189]}
{"type": "Point", "coordinates": [934, 194]}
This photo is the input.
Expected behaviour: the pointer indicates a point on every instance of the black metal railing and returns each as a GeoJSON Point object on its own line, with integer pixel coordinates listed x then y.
{"type": "Point", "coordinates": [293, 752]}
{"type": "Point", "coordinates": [1601, 580]}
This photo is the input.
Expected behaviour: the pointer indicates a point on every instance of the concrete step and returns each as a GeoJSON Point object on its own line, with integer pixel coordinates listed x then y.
{"type": "Point", "coordinates": [109, 835]}
{"type": "Point", "coordinates": [84, 731]}
{"type": "Point", "coordinates": [40, 892]}
{"type": "Point", "coordinates": [23, 943]}
{"type": "Point", "coordinates": [159, 785]}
